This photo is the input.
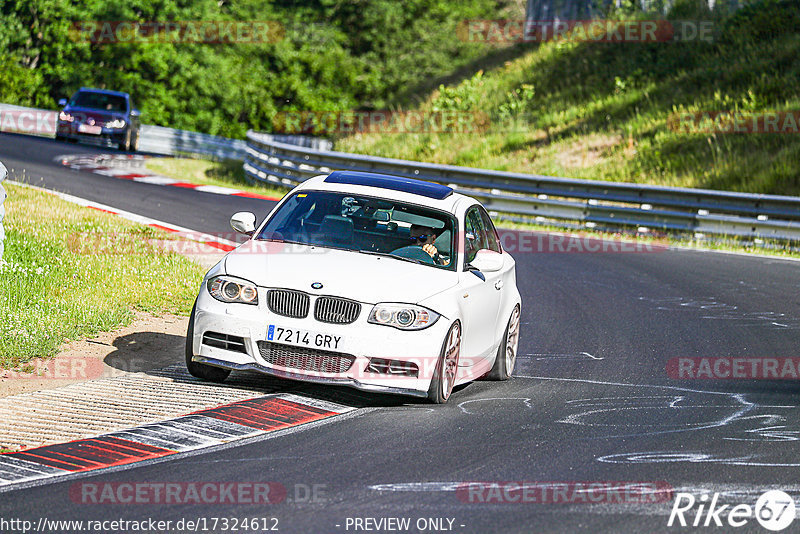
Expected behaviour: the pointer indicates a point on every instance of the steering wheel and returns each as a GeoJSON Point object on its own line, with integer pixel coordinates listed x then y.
{"type": "Point", "coordinates": [415, 253]}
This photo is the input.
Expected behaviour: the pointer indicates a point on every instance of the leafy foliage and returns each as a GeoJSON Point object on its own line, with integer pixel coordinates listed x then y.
{"type": "Point", "coordinates": [334, 55]}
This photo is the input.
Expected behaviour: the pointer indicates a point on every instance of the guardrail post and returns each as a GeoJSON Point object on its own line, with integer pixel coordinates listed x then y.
{"type": "Point", "coordinates": [3, 176]}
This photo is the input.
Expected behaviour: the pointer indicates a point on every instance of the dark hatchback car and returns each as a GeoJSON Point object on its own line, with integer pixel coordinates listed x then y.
{"type": "Point", "coordinates": [100, 117]}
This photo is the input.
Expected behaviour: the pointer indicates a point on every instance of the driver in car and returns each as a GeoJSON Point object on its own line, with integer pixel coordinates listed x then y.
{"type": "Point", "coordinates": [424, 236]}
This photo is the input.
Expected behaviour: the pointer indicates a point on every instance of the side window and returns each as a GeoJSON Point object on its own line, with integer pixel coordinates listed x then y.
{"type": "Point", "coordinates": [475, 237]}
{"type": "Point", "coordinates": [470, 239]}
{"type": "Point", "coordinates": [493, 240]}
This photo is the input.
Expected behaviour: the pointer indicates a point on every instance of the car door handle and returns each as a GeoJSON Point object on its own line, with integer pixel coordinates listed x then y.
{"type": "Point", "coordinates": [498, 284]}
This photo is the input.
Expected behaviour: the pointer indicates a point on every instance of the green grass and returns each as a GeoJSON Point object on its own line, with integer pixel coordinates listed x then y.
{"type": "Point", "coordinates": [600, 110]}
{"type": "Point", "coordinates": [71, 272]}
{"type": "Point", "coordinates": [227, 173]}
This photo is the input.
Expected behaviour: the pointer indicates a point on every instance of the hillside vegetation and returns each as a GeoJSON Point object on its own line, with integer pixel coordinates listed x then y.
{"type": "Point", "coordinates": [601, 110]}
{"type": "Point", "coordinates": [322, 55]}
{"type": "Point", "coordinates": [566, 108]}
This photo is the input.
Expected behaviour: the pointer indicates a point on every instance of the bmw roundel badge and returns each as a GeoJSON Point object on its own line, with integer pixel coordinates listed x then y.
{"type": "Point", "coordinates": [316, 285]}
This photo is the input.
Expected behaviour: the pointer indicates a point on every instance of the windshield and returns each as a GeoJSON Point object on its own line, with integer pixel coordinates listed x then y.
{"type": "Point", "coordinates": [101, 101]}
{"type": "Point", "coordinates": [365, 224]}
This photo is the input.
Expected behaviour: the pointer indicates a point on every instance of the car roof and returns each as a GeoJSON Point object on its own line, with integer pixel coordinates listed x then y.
{"type": "Point", "coordinates": [395, 183]}
{"type": "Point", "coordinates": [103, 91]}
{"type": "Point", "coordinates": [387, 186]}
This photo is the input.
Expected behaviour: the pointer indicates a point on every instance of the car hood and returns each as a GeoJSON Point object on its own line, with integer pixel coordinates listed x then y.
{"type": "Point", "coordinates": [362, 277]}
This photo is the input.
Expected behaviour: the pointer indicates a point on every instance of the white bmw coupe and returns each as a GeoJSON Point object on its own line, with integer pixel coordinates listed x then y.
{"type": "Point", "coordinates": [377, 282]}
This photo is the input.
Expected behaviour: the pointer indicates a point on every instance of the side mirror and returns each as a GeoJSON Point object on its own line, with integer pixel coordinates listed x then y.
{"type": "Point", "coordinates": [135, 113]}
{"type": "Point", "coordinates": [244, 222]}
{"type": "Point", "coordinates": [62, 102]}
{"type": "Point", "coordinates": [487, 261]}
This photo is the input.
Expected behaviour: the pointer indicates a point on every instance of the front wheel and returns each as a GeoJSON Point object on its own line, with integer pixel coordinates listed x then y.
{"type": "Point", "coordinates": [135, 143]}
{"type": "Point", "coordinates": [125, 145]}
{"type": "Point", "coordinates": [444, 376]}
{"type": "Point", "coordinates": [507, 351]}
{"type": "Point", "coordinates": [197, 369]}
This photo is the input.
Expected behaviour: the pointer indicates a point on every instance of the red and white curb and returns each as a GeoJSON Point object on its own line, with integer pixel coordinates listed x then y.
{"type": "Point", "coordinates": [132, 167]}
{"type": "Point", "coordinates": [198, 430]}
{"type": "Point", "coordinates": [185, 233]}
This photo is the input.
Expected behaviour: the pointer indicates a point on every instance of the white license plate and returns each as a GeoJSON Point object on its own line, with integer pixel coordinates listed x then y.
{"type": "Point", "coordinates": [303, 338]}
{"type": "Point", "coordinates": [94, 130]}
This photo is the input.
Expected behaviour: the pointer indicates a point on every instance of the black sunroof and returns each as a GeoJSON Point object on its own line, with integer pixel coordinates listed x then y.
{"type": "Point", "coordinates": [395, 183]}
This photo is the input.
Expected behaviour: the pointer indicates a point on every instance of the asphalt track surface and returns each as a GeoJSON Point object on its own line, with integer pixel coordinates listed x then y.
{"type": "Point", "coordinates": [591, 400]}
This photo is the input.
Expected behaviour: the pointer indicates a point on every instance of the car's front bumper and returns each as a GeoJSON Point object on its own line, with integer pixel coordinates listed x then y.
{"type": "Point", "coordinates": [361, 340]}
{"type": "Point", "coordinates": [107, 136]}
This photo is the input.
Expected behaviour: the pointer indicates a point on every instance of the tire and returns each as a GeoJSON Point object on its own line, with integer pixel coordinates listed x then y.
{"type": "Point", "coordinates": [507, 351]}
{"type": "Point", "coordinates": [126, 144]}
{"type": "Point", "coordinates": [135, 144]}
{"type": "Point", "coordinates": [442, 382]}
{"type": "Point", "coordinates": [197, 369]}
{"type": "Point", "coordinates": [60, 138]}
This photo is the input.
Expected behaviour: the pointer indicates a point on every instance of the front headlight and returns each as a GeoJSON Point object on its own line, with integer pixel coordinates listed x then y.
{"type": "Point", "coordinates": [402, 316]}
{"type": "Point", "coordinates": [229, 289]}
{"type": "Point", "coordinates": [66, 117]}
{"type": "Point", "coordinates": [116, 123]}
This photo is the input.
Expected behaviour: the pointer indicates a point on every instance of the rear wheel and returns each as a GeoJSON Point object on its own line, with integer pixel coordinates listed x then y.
{"type": "Point", "coordinates": [444, 376]}
{"type": "Point", "coordinates": [507, 351]}
{"type": "Point", "coordinates": [197, 369]}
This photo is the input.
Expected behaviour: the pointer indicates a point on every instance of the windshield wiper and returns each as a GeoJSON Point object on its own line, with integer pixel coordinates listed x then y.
{"type": "Point", "coordinates": [389, 255]}
{"type": "Point", "coordinates": [281, 240]}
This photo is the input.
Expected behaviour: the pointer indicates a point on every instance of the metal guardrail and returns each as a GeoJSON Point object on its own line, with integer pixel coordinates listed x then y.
{"type": "Point", "coordinates": [3, 176]}
{"type": "Point", "coordinates": [541, 198]}
{"type": "Point", "coordinates": [154, 139]}
{"type": "Point", "coordinates": [169, 141]}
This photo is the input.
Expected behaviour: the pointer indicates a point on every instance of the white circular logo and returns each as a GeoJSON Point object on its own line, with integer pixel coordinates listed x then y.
{"type": "Point", "coordinates": [775, 510]}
